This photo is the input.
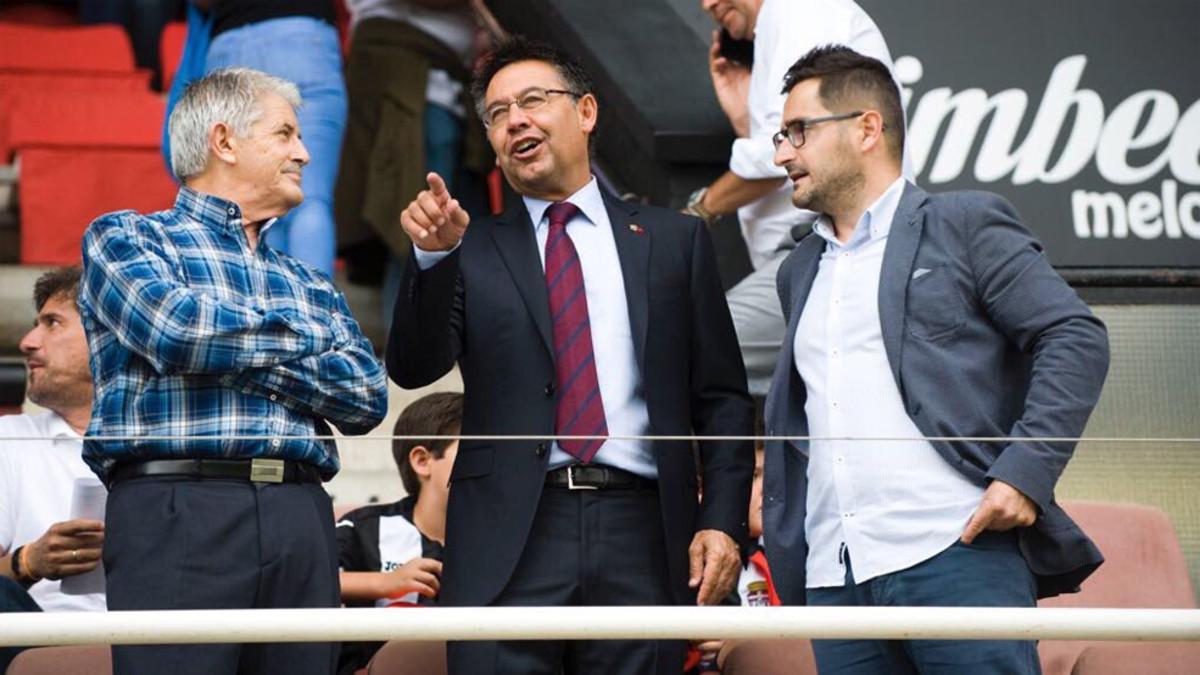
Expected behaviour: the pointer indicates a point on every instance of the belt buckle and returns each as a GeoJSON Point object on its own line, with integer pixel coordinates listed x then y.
{"type": "Point", "coordinates": [571, 480]}
{"type": "Point", "coordinates": [266, 470]}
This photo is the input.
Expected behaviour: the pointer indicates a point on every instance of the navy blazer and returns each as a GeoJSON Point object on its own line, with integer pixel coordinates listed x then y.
{"type": "Point", "coordinates": [990, 341]}
{"type": "Point", "coordinates": [485, 307]}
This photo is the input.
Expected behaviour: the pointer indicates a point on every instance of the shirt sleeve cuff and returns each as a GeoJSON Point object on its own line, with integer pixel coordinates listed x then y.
{"type": "Point", "coordinates": [427, 259]}
{"type": "Point", "coordinates": [754, 159]}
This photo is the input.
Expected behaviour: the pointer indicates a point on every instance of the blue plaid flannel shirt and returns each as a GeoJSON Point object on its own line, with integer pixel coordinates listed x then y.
{"type": "Point", "coordinates": [192, 333]}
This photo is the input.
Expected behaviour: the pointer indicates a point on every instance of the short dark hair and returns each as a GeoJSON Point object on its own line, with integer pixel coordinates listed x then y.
{"type": "Point", "coordinates": [63, 282]}
{"type": "Point", "coordinates": [437, 414]}
{"type": "Point", "coordinates": [519, 48]}
{"type": "Point", "coordinates": [850, 80]}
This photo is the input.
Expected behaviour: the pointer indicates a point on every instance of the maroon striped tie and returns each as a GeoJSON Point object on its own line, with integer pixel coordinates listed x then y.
{"type": "Point", "coordinates": [580, 410]}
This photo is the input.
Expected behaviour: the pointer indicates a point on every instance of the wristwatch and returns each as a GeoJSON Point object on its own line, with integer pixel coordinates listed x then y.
{"type": "Point", "coordinates": [695, 207]}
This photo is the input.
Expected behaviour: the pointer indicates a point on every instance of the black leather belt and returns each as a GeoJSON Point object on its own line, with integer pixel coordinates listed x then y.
{"type": "Point", "coordinates": [597, 477]}
{"type": "Point", "coordinates": [259, 470]}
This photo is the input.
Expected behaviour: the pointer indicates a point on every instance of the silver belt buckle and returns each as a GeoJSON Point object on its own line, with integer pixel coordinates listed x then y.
{"type": "Point", "coordinates": [571, 480]}
{"type": "Point", "coordinates": [266, 470]}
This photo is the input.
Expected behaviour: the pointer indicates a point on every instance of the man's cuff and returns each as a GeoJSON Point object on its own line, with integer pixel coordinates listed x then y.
{"type": "Point", "coordinates": [427, 259]}
{"type": "Point", "coordinates": [754, 159]}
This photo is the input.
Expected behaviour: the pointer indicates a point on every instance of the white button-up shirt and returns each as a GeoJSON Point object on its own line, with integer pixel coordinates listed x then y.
{"type": "Point", "coordinates": [890, 504]}
{"type": "Point", "coordinates": [612, 336]}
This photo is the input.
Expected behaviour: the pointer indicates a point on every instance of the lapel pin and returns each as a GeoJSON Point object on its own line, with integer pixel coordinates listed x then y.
{"type": "Point", "coordinates": [636, 229]}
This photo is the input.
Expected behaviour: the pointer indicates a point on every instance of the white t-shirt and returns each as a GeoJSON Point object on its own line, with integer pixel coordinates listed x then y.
{"type": "Point", "coordinates": [36, 481]}
{"type": "Point", "coordinates": [785, 31]}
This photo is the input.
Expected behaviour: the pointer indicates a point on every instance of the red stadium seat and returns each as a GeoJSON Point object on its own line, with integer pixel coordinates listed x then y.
{"type": "Point", "coordinates": [14, 86]}
{"type": "Point", "coordinates": [74, 49]}
{"type": "Point", "coordinates": [170, 50]}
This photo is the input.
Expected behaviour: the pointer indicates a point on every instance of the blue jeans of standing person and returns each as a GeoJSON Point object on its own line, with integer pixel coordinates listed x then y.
{"type": "Point", "coordinates": [443, 147]}
{"type": "Point", "coordinates": [14, 598]}
{"type": "Point", "coordinates": [306, 52]}
{"type": "Point", "coordinates": [990, 572]}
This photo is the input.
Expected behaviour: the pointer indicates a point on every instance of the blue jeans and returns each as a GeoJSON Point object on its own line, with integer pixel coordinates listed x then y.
{"type": "Point", "coordinates": [305, 51]}
{"type": "Point", "coordinates": [443, 145]}
{"type": "Point", "coordinates": [13, 598]}
{"type": "Point", "coordinates": [990, 572]}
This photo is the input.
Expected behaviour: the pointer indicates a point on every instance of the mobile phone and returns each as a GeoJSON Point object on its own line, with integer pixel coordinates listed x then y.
{"type": "Point", "coordinates": [737, 51]}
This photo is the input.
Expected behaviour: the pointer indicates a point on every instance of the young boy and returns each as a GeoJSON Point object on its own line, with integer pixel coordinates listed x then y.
{"type": "Point", "coordinates": [390, 554]}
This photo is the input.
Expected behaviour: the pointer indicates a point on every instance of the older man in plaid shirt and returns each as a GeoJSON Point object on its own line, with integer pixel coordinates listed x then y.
{"type": "Point", "coordinates": [216, 361]}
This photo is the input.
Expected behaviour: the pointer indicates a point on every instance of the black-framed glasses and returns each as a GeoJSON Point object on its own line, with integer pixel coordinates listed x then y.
{"type": "Point", "coordinates": [529, 100]}
{"type": "Point", "coordinates": [794, 130]}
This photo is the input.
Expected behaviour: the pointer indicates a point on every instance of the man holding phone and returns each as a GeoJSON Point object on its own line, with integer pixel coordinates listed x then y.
{"type": "Point", "coordinates": [749, 93]}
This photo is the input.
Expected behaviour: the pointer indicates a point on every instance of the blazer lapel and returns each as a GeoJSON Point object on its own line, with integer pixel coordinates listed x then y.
{"type": "Point", "coordinates": [898, 258]}
{"type": "Point", "coordinates": [633, 248]}
{"type": "Point", "coordinates": [517, 243]}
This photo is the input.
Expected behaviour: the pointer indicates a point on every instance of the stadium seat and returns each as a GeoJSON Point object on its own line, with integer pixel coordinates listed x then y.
{"type": "Point", "coordinates": [409, 658]}
{"type": "Point", "coordinates": [17, 85]}
{"type": "Point", "coordinates": [74, 49]}
{"type": "Point", "coordinates": [90, 660]}
{"type": "Point", "coordinates": [170, 50]}
{"type": "Point", "coordinates": [1144, 568]}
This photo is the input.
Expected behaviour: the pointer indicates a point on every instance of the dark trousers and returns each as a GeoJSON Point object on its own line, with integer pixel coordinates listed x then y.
{"type": "Point", "coordinates": [14, 598]}
{"type": "Point", "coordinates": [990, 572]}
{"type": "Point", "coordinates": [587, 547]}
{"type": "Point", "coordinates": [216, 544]}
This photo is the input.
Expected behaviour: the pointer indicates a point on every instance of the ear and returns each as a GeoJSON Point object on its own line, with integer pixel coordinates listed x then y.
{"type": "Point", "coordinates": [420, 459]}
{"type": "Point", "coordinates": [871, 127]}
{"type": "Point", "coordinates": [589, 109]}
{"type": "Point", "coordinates": [222, 143]}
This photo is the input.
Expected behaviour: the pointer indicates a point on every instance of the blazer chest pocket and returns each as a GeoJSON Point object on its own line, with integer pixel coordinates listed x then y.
{"type": "Point", "coordinates": [935, 306]}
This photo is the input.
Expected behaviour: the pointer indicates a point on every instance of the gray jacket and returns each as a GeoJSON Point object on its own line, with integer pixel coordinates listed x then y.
{"type": "Point", "coordinates": [989, 342]}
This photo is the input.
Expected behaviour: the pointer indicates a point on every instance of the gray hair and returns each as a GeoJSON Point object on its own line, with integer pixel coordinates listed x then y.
{"type": "Point", "coordinates": [227, 95]}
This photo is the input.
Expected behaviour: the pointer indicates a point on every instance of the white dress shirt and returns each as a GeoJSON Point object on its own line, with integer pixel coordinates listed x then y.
{"type": "Point", "coordinates": [37, 479]}
{"type": "Point", "coordinates": [612, 336]}
{"type": "Point", "coordinates": [890, 504]}
{"type": "Point", "coordinates": [784, 31]}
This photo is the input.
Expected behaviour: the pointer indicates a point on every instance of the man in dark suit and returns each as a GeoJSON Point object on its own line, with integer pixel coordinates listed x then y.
{"type": "Point", "coordinates": [574, 314]}
{"type": "Point", "coordinates": [910, 316]}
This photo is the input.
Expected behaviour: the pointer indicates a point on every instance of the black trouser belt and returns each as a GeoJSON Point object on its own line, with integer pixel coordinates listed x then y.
{"type": "Point", "coordinates": [597, 477]}
{"type": "Point", "coordinates": [256, 470]}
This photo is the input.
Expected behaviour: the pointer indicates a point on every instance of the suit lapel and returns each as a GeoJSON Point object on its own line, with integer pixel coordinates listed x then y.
{"type": "Point", "coordinates": [898, 258]}
{"type": "Point", "coordinates": [517, 243]}
{"type": "Point", "coordinates": [633, 248]}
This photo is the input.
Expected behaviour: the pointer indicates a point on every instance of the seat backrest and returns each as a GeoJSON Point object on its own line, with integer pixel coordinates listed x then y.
{"type": "Point", "coordinates": [409, 658]}
{"type": "Point", "coordinates": [76, 49]}
{"type": "Point", "coordinates": [170, 50]}
{"type": "Point", "coordinates": [89, 660]}
{"type": "Point", "coordinates": [1138, 543]}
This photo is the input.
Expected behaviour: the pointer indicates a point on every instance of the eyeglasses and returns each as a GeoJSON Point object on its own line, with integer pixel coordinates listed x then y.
{"type": "Point", "coordinates": [794, 131]}
{"type": "Point", "coordinates": [529, 100]}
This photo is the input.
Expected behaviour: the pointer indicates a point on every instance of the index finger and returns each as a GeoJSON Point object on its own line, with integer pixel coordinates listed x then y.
{"type": "Point", "coordinates": [436, 185]}
{"type": "Point", "coordinates": [977, 524]}
{"type": "Point", "coordinates": [77, 526]}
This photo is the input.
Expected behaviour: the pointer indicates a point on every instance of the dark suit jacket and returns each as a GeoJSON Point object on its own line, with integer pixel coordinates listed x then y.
{"type": "Point", "coordinates": [989, 342]}
{"type": "Point", "coordinates": [485, 306]}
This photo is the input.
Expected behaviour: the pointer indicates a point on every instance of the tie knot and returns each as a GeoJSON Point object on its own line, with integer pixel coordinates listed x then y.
{"type": "Point", "coordinates": [560, 213]}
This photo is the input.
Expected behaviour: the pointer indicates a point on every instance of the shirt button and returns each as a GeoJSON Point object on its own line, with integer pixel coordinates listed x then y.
{"type": "Point", "coordinates": [839, 460]}
{"type": "Point", "coordinates": [548, 390]}
{"type": "Point", "coordinates": [848, 514]}
{"type": "Point", "coordinates": [835, 404]}
{"type": "Point", "coordinates": [232, 211]}
{"type": "Point", "coordinates": [541, 450]}
{"type": "Point", "coordinates": [273, 397]}
{"type": "Point", "coordinates": [275, 443]}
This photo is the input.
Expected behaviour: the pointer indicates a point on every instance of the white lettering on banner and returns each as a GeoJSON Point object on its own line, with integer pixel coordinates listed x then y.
{"type": "Point", "coordinates": [1144, 121]}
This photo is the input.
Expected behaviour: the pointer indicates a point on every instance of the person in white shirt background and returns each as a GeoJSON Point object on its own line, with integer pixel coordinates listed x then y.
{"type": "Point", "coordinates": [40, 543]}
{"type": "Point", "coordinates": [750, 96]}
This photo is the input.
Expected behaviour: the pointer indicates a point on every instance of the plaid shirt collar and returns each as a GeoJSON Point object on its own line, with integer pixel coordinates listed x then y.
{"type": "Point", "coordinates": [210, 210]}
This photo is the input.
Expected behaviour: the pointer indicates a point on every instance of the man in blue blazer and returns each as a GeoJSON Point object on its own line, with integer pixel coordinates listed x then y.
{"type": "Point", "coordinates": [914, 316]}
{"type": "Point", "coordinates": [575, 314]}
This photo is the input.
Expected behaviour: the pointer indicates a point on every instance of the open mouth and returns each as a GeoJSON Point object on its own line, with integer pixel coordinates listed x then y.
{"type": "Point", "coordinates": [525, 149]}
{"type": "Point", "coordinates": [797, 176]}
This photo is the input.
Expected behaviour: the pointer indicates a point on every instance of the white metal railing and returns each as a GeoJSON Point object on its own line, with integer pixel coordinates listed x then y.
{"type": "Point", "coordinates": [596, 623]}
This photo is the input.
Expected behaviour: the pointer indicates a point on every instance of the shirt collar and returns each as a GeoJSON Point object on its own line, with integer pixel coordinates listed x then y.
{"type": "Point", "coordinates": [58, 429]}
{"type": "Point", "coordinates": [211, 210]}
{"type": "Point", "coordinates": [874, 223]}
{"type": "Point", "coordinates": [588, 199]}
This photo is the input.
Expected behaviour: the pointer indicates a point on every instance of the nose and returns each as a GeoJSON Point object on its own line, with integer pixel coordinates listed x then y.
{"type": "Point", "coordinates": [784, 153]}
{"type": "Point", "coordinates": [300, 153]}
{"type": "Point", "coordinates": [708, 5]}
{"type": "Point", "coordinates": [31, 342]}
{"type": "Point", "coordinates": [517, 118]}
